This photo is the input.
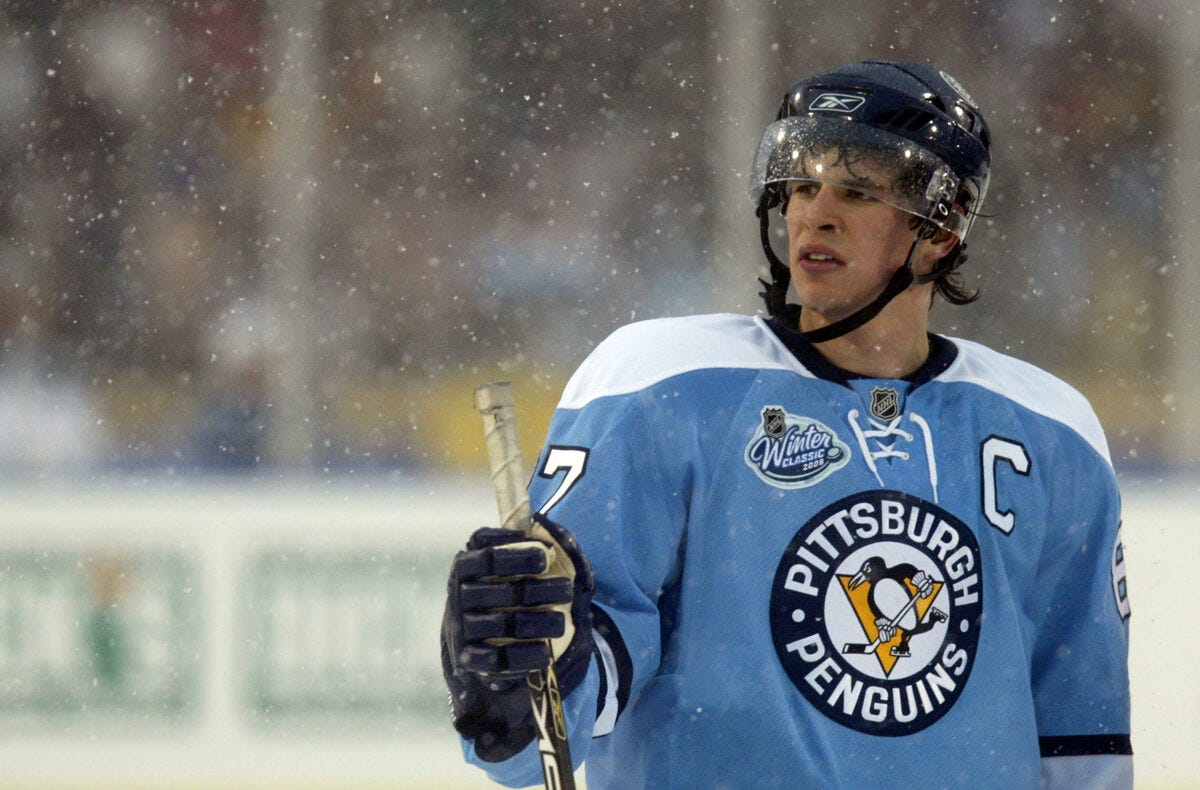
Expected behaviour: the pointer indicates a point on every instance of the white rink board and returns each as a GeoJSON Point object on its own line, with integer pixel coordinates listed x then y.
{"type": "Point", "coordinates": [1162, 551]}
{"type": "Point", "coordinates": [220, 522]}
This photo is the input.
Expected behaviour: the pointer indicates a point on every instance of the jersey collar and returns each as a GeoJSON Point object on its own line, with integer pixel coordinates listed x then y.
{"type": "Point", "coordinates": [942, 353]}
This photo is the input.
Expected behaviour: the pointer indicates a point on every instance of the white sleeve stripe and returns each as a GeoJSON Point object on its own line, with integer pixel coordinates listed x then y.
{"type": "Point", "coordinates": [640, 355]}
{"type": "Point", "coordinates": [1101, 772]}
{"type": "Point", "coordinates": [1027, 386]}
{"type": "Point", "coordinates": [606, 718]}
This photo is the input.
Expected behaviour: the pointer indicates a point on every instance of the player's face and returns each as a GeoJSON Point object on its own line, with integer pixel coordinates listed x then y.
{"type": "Point", "coordinates": [843, 244]}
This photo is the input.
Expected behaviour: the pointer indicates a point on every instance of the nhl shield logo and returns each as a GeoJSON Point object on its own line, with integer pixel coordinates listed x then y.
{"type": "Point", "coordinates": [774, 421]}
{"type": "Point", "coordinates": [885, 403]}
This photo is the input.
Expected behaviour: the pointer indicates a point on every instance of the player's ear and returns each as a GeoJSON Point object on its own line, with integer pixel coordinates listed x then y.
{"type": "Point", "coordinates": [940, 245]}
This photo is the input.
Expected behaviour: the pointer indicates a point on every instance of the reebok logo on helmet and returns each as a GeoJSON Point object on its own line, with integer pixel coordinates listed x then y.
{"type": "Point", "coordinates": [836, 102]}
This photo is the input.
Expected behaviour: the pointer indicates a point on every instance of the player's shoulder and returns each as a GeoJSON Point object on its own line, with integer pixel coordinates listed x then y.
{"type": "Point", "coordinates": [644, 353]}
{"type": "Point", "coordinates": [1028, 386]}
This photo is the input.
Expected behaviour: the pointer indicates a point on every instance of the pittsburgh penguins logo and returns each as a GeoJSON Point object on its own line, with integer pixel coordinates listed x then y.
{"type": "Point", "coordinates": [893, 605]}
{"type": "Point", "coordinates": [875, 611]}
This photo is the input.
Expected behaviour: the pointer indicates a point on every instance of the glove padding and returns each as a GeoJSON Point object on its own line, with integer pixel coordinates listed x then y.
{"type": "Point", "coordinates": [512, 602]}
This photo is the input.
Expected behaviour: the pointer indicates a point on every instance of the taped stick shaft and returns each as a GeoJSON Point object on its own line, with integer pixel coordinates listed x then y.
{"type": "Point", "coordinates": [496, 405]}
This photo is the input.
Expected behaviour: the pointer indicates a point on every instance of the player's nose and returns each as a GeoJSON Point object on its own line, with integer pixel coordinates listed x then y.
{"type": "Point", "coordinates": [818, 210]}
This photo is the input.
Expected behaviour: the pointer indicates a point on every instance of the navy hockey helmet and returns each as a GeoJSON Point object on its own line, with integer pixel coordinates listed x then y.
{"type": "Point", "coordinates": [914, 120]}
{"type": "Point", "coordinates": [905, 133]}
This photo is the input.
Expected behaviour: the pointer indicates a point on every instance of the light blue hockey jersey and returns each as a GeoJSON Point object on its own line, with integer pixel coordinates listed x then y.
{"type": "Point", "coordinates": [807, 579]}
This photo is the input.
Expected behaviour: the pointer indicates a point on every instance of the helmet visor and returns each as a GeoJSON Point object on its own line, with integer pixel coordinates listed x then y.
{"type": "Point", "coordinates": [886, 167]}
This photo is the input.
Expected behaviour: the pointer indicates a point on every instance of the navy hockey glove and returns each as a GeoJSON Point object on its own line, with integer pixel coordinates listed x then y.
{"type": "Point", "coordinates": [508, 594]}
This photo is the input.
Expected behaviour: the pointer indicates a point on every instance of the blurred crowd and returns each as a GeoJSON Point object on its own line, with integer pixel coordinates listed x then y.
{"type": "Point", "coordinates": [238, 235]}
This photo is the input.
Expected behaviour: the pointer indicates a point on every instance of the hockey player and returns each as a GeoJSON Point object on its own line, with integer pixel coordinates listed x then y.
{"type": "Point", "coordinates": [826, 548]}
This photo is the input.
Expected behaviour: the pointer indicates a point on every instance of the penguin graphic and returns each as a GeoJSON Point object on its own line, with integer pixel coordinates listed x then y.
{"type": "Point", "coordinates": [903, 574]}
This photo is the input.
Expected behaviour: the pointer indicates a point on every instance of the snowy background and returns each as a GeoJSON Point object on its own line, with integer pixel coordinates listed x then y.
{"type": "Point", "coordinates": [255, 256]}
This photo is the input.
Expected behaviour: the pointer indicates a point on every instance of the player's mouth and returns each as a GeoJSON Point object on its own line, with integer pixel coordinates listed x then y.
{"type": "Point", "coordinates": [817, 258]}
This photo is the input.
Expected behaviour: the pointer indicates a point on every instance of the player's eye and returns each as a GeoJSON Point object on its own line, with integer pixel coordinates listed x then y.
{"type": "Point", "coordinates": [858, 194]}
{"type": "Point", "coordinates": [805, 189]}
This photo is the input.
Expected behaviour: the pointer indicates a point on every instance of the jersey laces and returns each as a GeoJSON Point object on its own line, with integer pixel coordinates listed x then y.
{"type": "Point", "coordinates": [881, 440]}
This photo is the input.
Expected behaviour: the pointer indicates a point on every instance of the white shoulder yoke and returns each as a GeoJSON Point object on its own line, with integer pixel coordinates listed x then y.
{"type": "Point", "coordinates": [641, 354]}
{"type": "Point", "coordinates": [1028, 386]}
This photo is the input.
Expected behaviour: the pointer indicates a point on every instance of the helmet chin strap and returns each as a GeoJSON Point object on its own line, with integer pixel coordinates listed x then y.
{"type": "Point", "coordinates": [776, 292]}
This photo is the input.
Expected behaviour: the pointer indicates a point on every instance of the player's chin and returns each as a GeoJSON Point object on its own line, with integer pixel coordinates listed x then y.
{"type": "Point", "coordinates": [828, 281]}
{"type": "Point", "coordinates": [829, 303]}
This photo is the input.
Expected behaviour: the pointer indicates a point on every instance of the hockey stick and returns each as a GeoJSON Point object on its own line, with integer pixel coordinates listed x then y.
{"type": "Point", "coordinates": [863, 649]}
{"type": "Point", "coordinates": [496, 405]}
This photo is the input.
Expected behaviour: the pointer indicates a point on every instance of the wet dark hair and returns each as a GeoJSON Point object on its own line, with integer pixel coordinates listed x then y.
{"type": "Point", "coordinates": [948, 282]}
